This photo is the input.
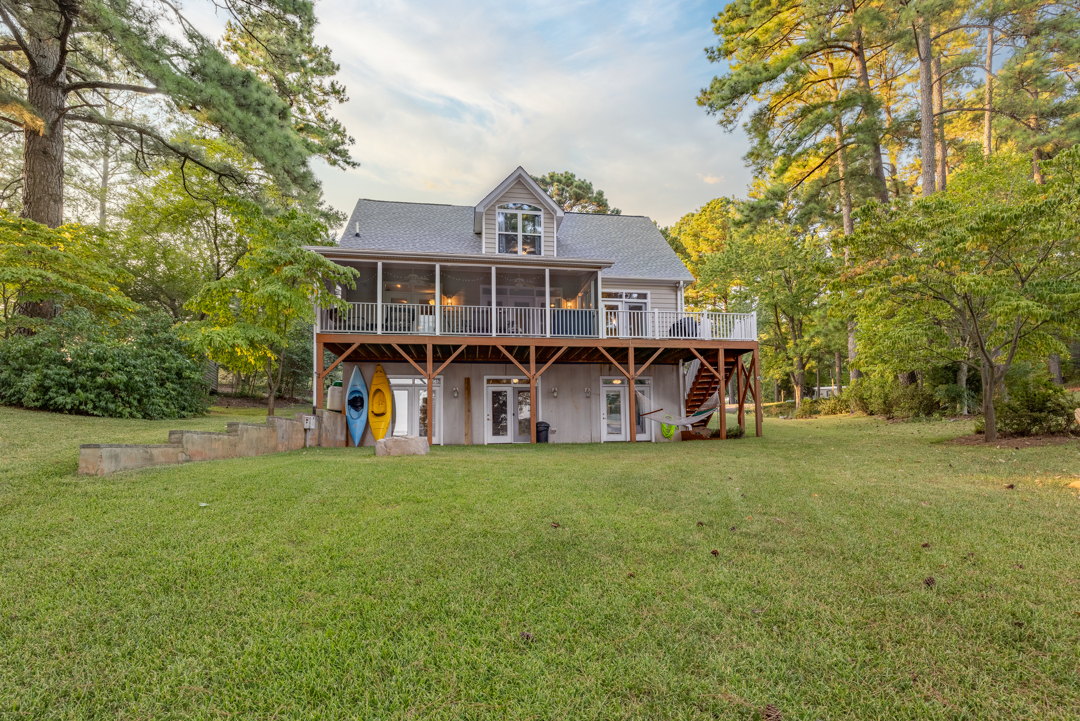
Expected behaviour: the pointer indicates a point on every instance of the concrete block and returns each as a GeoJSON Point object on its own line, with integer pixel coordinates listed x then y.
{"type": "Point", "coordinates": [289, 433]}
{"type": "Point", "coordinates": [331, 428]}
{"type": "Point", "coordinates": [253, 439]}
{"type": "Point", "coordinates": [205, 445]}
{"type": "Point", "coordinates": [98, 459]}
{"type": "Point", "coordinates": [402, 446]}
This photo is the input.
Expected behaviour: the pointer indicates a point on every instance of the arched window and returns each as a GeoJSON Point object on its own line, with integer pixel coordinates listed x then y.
{"type": "Point", "coordinates": [520, 229]}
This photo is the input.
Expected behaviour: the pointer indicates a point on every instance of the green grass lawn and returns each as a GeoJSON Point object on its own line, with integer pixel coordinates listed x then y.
{"type": "Point", "coordinates": [678, 581]}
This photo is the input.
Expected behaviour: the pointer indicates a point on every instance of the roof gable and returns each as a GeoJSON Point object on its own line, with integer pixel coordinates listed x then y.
{"type": "Point", "coordinates": [518, 175]}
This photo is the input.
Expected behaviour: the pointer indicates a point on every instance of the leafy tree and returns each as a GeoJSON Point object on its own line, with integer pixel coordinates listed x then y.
{"type": "Point", "coordinates": [283, 53]}
{"type": "Point", "coordinates": [248, 316]}
{"type": "Point", "coordinates": [180, 231]}
{"type": "Point", "coordinates": [59, 266]}
{"type": "Point", "coordinates": [575, 195]}
{"type": "Point", "coordinates": [783, 275]}
{"type": "Point", "coordinates": [695, 238]}
{"type": "Point", "coordinates": [994, 260]}
{"type": "Point", "coordinates": [64, 56]}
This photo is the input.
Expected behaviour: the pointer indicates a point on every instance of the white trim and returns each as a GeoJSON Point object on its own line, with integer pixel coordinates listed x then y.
{"type": "Point", "coordinates": [519, 174]}
{"type": "Point", "coordinates": [488, 386]}
{"type": "Point", "coordinates": [437, 387]}
{"type": "Point", "coordinates": [625, 386]}
{"type": "Point", "coordinates": [520, 231]}
{"type": "Point", "coordinates": [378, 299]}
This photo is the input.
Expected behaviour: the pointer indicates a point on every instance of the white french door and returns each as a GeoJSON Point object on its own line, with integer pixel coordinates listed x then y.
{"type": "Point", "coordinates": [613, 416]}
{"type": "Point", "coordinates": [615, 411]}
{"type": "Point", "coordinates": [411, 408]}
{"type": "Point", "coordinates": [508, 413]}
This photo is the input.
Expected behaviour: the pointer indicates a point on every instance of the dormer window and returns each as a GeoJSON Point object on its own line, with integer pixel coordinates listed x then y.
{"type": "Point", "coordinates": [520, 229]}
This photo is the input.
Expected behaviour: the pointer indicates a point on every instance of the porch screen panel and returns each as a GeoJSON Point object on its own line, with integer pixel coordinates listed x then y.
{"type": "Point", "coordinates": [366, 284]}
{"type": "Point", "coordinates": [408, 298]}
{"type": "Point", "coordinates": [573, 302]}
{"type": "Point", "coordinates": [466, 296]}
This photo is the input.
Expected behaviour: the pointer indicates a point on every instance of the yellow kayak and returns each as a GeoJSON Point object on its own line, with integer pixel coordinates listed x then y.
{"type": "Point", "coordinates": [380, 409]}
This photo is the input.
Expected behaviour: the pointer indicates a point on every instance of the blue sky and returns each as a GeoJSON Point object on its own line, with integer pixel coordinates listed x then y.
{"type": "Point", "coordinates": [447, 98]}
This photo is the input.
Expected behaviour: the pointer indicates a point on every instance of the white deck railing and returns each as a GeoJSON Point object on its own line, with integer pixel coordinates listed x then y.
{"type": "Point", "coordinates": [465, 320]}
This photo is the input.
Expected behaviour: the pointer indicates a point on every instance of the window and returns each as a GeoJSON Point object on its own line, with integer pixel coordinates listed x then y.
{"type": "Point", "coordinates": [520, 229]}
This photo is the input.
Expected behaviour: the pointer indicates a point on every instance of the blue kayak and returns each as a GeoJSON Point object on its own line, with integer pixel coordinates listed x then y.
{"type": "Point", "coordinates": [356, 405]}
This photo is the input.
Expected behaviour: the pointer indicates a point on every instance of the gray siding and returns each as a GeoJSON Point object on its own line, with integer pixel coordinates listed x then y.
{"type": "Point", "coordinates": [662, 296]}
{"type": "Point", "coordinates": [573, 417]}
{"type": "Point", "coordinates": [517, 193]}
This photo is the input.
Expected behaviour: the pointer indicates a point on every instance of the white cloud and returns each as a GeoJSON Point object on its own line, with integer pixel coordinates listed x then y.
{"type": "Point", "coordinates": [447, 98]}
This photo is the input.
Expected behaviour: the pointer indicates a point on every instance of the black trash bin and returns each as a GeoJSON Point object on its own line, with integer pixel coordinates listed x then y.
{"type": "Point", "coordinates": [542, 431]}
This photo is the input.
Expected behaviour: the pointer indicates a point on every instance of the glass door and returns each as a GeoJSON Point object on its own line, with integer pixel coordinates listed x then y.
{"type": "Point", "coordinates": [498, 415]}
{"type": "Point", "coordinates": [611, 319]}
{"type": "Point", "coordinates": [522, 415]}
{"type": "Point", "coordinates": [613, 415]}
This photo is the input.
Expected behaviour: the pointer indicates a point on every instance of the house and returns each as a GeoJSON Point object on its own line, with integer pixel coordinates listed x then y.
{"type": "Point", "coordinates": [491, 317]}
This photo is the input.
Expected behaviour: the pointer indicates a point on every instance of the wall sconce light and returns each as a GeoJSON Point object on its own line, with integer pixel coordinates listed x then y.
{"type": "Point", "coordinates": [588, 392]}
{"type": "Point", "coordinates": [554, 392]}
{"type": "Point", "coordinates": [455, 392]}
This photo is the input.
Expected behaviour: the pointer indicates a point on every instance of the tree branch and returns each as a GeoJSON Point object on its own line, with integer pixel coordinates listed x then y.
{"type": "Point", "coordinates": [65, 31]}
{"type": "Point", "coordinates": [147, 133]}
{"type": "Point", "coordinates": [11, 68]}
{"type": "Point", "coordinates": [100, 85]}
{"type": "Point", "coordinates": [14, 28]}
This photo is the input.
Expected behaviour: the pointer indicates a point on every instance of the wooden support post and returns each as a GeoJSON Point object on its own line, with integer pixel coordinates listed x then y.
{"type": "Point", "coordinates": [740, 392]}
{"type": "Point", "coordinates": [430, 396]}
{"type": "Point", "coordinates": [468, 413]}
{"type": "Point", "coordinates": [319, 381]}
{"type": "Point", "coordinates": [756, 381]}
{"type": "Point", "coordinates": [722, 391]}
{"type": "Point", "coordinates": [633, 397]}
{"type": "Point", "coordinates": [532, 394]}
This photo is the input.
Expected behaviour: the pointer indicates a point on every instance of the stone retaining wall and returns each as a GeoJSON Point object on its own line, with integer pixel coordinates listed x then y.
{"type": "Point", "coordinates": [239, 440]}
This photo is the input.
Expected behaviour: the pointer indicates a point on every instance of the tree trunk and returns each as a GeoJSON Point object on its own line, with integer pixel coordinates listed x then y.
{"type": "Point", "coordinates": [776, 390]}
{"type": "Point", "coordinates": [845, 194]}
{"type": "Point", "coordinates": [839, 374]}
{"type": "Point", "coordinates": [988, 384]}
{"type": "Point", "coordinates": [988, 95]}
{"type": "Point", "coordinates": [1036, 168]}
{"type": "Point", "coordinates": [798, 378]}
{"type": "Point", "coordinates": [939, 105]}
{"type": "Point", "coordinates": [854, 373]}
{"type": "Point", "coordinates": [926, 108]}
{"type": "Point", "coordinates": [961, 380]}
{"type": "Point", "coordinates": [817, 391]}
{"type": "Point", "coordinates": [103, 191]}
{"type": "Point", "coordinates": [43, 147]}
{"type": "Point", "coordinates": [1054, 361]}
{"type": "Point", "coordinates": [907, 378]}
{"type": "Point", "coordinates": [881, 189]}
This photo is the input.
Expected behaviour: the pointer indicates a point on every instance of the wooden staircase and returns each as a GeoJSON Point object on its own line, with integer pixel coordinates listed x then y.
{"type": "Point", "coordinates": [704, 385]}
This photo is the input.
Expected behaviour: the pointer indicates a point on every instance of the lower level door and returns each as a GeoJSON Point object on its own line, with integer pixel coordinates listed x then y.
{"type": "Point", "coordinates": [613, 416]}
{"type": "Point", "coordinates": [522, 415]}
{"type": "Point", "coordinates": [498, 417]}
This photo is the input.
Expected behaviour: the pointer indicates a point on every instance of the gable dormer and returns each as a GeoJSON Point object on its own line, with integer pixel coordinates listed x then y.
{"type": "Point", "coordinates": [518, 218]}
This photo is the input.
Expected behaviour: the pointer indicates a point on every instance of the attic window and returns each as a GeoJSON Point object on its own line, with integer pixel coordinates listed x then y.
{"type": "Point", "coordinates": [520, 229]}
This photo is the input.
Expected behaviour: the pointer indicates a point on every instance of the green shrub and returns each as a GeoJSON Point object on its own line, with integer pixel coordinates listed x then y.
{"type": "Point", "coordinates": [834, 405]}
{"type": "Point", "coordinates": [139, 368]}
{"type": "Point", "coordinates": [807, 409]}
{"type": "Point", "coordinates": [1035, 408]}
{"type": "Point", "coordinates": [884, 396]}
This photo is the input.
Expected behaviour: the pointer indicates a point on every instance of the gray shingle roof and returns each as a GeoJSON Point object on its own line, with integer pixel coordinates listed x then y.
{"type": "Point", "coordinates": [417, 227]}
{"type": "Point", "coordinates": [632, 241]}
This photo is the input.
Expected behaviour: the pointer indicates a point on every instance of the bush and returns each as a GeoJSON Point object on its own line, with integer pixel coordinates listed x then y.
{"type": "Point", "coordinates": [884, 396]}
{"type": "Point", "coordinates": [834, 405]}
{"type": "Point", "coordinates": [139, 368]}
{"type": "Point", "coordinates": [807, 409]}
{"type": "Point", "coordinates": [1034, 408]}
